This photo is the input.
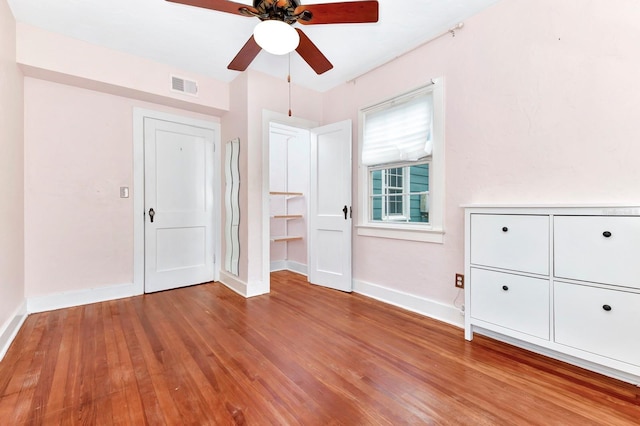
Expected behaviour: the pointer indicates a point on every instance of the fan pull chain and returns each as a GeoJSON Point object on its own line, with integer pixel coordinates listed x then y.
{"type": "Point", "coordinates": [289, 83]}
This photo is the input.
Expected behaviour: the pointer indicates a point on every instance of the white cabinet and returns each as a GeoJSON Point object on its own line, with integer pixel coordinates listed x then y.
{"type": "Point", "coordinates": [515, 242]}
{"type": "Point", "coordinates": [508, 300]}
{"type": "Point", "coordinates": [561, 281]}
{"type": "Point", "coordinates": [600, 249]}
{"type": "Point", "coordinates": [598, 320]}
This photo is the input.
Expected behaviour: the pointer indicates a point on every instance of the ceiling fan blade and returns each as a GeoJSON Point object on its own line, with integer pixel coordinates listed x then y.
{"type": "Point", "coordinates": [245, 56]}
{"type": "Point", "coordinates": [353, 12]}
{"type": "Point", "coordinates": [312, 55]}
{"type": "Point", "coordinates": [219, 5]}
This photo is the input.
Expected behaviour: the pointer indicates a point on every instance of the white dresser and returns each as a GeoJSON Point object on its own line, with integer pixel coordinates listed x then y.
{"type": "Point", "coordinates": [561, 281]}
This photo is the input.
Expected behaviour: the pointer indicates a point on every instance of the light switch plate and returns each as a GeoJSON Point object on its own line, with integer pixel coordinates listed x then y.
{"type": "Point", "coordinates": [124, 192]}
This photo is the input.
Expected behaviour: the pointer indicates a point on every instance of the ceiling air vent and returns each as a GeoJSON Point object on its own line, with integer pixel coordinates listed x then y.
{"type": "Point", "coordinates": [182, 85]}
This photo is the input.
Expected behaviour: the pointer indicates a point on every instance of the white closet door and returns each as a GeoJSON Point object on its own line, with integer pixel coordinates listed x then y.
{"type": "Point", "coordinates": [330, 207]}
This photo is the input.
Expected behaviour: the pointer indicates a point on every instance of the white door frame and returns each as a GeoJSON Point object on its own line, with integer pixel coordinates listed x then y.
{"type": "Point", "coordinates": [139, 114]}
{"type": "Point", "coordinates": [267, 118]}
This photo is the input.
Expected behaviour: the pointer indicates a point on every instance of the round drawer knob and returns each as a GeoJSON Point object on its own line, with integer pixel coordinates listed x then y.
{"type": "Point", "coordinates": [505, 229]}
{"type": "Point", "coordinates": [606, 234]}
{"type": "Point", "coordinates": [506, 288]}
{"type": "Point", "coordinates": [606, 307]}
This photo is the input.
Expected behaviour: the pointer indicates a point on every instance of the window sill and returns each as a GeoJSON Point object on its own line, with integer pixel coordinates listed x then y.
{"type": "Point", "coordinates": [408, 233]}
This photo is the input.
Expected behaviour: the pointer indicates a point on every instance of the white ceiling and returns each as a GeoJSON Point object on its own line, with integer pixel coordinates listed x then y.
{"type": "Point", "coordinates": [205, 41]}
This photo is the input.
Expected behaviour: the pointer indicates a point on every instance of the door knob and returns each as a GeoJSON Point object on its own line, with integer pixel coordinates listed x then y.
{"type": "Point", "coordinates": [152, 213]}
{"type": "Point", "coordinates": [345, 210]}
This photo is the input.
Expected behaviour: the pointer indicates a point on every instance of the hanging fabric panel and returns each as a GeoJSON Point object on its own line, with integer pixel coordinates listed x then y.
{"type": "Point", "coordinates": [402, 132]}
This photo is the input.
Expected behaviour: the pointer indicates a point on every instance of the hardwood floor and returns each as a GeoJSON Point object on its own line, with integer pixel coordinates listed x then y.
{"type": "Point", "coordinates": [301, 355]}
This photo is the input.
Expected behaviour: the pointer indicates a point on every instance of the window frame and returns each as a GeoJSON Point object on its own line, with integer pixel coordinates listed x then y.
{"type": "Point", "coordinates": [433, 231]}
{"type": "Point", "coordinates": [386, 216]}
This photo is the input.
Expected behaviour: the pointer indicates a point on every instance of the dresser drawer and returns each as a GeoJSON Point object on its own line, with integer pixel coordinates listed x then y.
{"type": "Point", "coordinates": [512, 301]}
{"type": "Point", "coordinates": [515, 242]}
{"type": "Point", "coordinates": [601, 321]}
{"type": "Point", "coordinates": [602, 249]}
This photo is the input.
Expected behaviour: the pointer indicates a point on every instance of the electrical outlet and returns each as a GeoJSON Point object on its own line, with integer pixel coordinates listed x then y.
{"type": "Point", "coordinates": [459, 281]}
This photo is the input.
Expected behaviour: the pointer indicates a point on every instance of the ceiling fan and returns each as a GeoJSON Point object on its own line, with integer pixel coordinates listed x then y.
{"type": "Point", "coordinates": [290, 12]}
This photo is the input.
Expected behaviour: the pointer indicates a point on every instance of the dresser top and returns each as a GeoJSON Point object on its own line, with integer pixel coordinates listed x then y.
{"type": "Point", "coordinates": [578, 209]}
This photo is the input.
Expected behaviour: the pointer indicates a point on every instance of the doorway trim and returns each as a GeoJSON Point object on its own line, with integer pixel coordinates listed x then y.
{"type": "Point", "coordinates": [139, 114]}
{"type": "Point", "coordinates": [269, 117]}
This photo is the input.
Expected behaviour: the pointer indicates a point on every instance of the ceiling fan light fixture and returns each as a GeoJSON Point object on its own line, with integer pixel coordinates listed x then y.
{"type": "Point", "coordinates": [276, 37]}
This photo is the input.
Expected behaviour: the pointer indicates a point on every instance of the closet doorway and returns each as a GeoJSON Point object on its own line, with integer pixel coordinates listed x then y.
{"type": "Point", "coordinates": [289, 169]}
{"type": "Point", "coordinates": [309, 202]}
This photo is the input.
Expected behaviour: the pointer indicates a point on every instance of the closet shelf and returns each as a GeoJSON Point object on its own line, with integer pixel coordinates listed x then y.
{"type": "Point", "coordinates": [290, 194]}
{"type": "Point", "coordinates": [280, 239]}
{"type": "Point", "coordinates": [287, 216]}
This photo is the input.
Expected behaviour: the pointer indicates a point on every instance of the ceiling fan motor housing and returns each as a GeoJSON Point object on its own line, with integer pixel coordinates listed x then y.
{"type": "Point", "coordinates": [281, 10]}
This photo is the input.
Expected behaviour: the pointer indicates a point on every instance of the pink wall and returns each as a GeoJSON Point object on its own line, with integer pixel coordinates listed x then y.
{"type": "Point", "coordinates": [541, 101]}
{"type": "Point", "coordinates": [234, 125]}
{"type": "Point", "coordinates": [50, 56]}
{"type": "Point", "coordinates": [78, 152]}
{"type": "Point", "coordinates": [11, 174]}
{"type": "Point", "coordinates": [116, 82]}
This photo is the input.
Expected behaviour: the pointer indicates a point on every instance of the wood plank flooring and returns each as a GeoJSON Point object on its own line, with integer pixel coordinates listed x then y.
{"type": "Point", "coordinates": [304, 355]}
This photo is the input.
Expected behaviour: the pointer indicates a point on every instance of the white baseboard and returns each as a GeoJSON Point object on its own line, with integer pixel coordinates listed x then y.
{"type": "Point", "coordinates": [278, 265]}
{"type": "Point", "coordinates": [247, 290]}
{"type": "Point", "coordinates": [258, 288]}
{"type": "Point", "coordinates": [233, 283]}
{"type": "Point", "coordinates": [68, 299]}
{"type": "Point", "coordinates": [288, 265]}
{"type": "Point", "coordinates": [297, 267]}
{"type": "Point", "coordinates": [421, 305]}
{"type": "Point", "coordinates": [11, 327]}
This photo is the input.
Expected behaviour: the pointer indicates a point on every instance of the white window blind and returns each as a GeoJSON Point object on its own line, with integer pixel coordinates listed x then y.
{"type": "Point", "coordinates": [401, 132]}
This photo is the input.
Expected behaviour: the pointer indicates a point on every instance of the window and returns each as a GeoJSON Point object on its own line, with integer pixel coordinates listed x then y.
{"type": "Point", "coordinates": [401, 166]}
{"type": "Point", "coordinates": [400, 194]}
